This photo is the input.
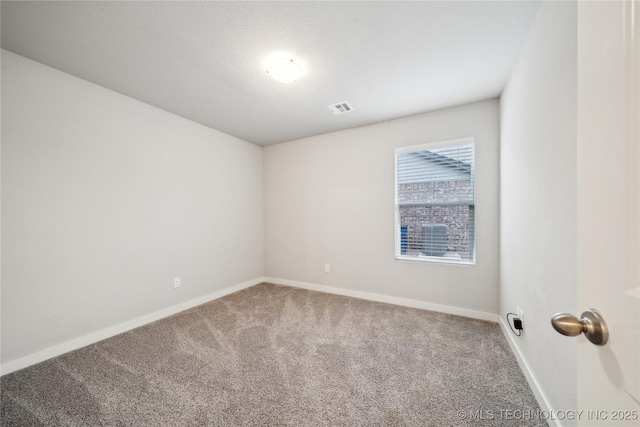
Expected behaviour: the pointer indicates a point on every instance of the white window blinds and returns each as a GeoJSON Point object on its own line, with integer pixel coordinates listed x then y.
{"type": "Point", "coordinates": [435, 204]}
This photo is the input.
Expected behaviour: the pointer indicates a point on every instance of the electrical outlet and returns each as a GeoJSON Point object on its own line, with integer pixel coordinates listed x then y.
{"type": "Point", "coordinates": [520, 313]}
{"type": "Point", "coordinates": [177, 282]}
{"type": "Point", "coordinates": [327, 268]}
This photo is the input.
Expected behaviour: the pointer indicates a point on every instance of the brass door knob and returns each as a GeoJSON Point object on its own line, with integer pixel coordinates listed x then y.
{"type": "Point", "coordinates": [590, 323]}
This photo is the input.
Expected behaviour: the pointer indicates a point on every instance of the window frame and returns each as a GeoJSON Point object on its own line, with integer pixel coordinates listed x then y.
{"type": "Point", "coordinates": [398, 242]}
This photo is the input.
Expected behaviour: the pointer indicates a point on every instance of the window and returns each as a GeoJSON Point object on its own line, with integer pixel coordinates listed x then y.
{"type": "Point", "coordinates": [435, 203]}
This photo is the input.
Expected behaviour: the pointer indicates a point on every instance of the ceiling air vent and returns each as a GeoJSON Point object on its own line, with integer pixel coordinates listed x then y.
{"type": "Point", "coordinates": [340, 108]}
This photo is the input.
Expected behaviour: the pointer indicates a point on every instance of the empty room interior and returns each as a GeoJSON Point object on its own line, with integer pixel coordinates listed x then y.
{"type": "Point", "coordinates": [320, 213]}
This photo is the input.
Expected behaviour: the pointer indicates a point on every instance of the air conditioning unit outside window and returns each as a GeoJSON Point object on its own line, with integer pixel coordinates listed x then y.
{"type": "Point", "coordinates": [434, 239]}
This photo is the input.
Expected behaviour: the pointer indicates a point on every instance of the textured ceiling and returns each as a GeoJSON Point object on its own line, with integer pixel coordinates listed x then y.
{"type": "Point", "coordinates": [206, 61]}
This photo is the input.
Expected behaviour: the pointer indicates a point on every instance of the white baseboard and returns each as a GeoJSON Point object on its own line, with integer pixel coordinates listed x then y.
{"type": "Point", "coordinates": [531, 379]}
{"type": "Point", "coordinates": [465, 312]}
{"type": "Point", "coordinates": [85, 340]}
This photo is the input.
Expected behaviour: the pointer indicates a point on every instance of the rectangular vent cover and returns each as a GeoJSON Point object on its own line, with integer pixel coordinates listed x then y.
{"type": "Point", "coordinates": [340, 108]}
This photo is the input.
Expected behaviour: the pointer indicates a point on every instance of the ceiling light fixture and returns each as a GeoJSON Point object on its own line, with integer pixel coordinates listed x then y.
{"type": "Point", "coordinates": [284, 70]}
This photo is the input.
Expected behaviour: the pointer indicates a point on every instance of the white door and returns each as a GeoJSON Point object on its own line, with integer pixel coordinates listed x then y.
{"type": "Point", "coordinates": [609, 209]}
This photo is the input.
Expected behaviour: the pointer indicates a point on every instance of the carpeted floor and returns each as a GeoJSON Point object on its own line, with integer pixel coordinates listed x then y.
{"type": "Point", "coordinates": [275, 355]}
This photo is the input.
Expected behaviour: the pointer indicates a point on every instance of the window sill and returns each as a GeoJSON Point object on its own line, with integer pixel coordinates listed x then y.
{"type": "Point", "coordinates": [437, 260]}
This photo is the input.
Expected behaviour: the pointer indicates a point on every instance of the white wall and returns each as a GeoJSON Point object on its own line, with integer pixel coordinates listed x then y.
{"type": "Point", "coordinates": [538, 199]}
{"type": "Point", "coordinates": [329, 199]}
{"type": "Point", "coordinates": [105, 200]}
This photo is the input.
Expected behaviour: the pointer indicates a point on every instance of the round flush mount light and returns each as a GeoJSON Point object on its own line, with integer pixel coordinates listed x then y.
{"type": "Point", "coordinates": [284, 70]}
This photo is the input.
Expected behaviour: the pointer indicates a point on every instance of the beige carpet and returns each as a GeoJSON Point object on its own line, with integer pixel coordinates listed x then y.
{"type": "Point", "coordinates": [275, 355]}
